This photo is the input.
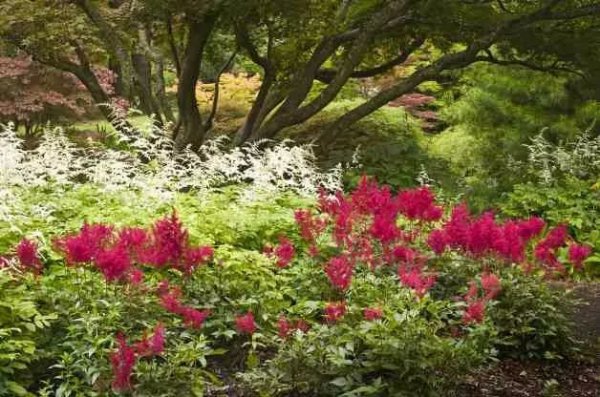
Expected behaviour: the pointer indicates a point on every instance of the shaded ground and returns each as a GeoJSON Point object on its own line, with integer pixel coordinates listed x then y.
{"type": "Point", "coordinates": [525, 379]}
{"type": "Point", "coordinates": [567, 379]}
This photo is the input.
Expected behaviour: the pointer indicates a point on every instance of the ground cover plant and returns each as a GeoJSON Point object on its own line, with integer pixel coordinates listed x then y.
{"type": "Point", "coordinates": [362, 293]}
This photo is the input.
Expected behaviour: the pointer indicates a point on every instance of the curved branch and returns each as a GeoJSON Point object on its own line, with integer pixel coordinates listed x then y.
{"type": "Point", "coordinates": [554, 68]}
{"type": "Point", "coordinates": [243, 41]}
{"type": "Point", "coordinates": [327, 75]}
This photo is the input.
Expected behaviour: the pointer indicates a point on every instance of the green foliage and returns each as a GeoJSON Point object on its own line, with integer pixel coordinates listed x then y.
{"type": "Point", "coordinates": [529, 320]}
{"type": "Point", "coordinates": [21, 324]}
{"type": "Point", "coordinates": [532, 320]}
{"type": "Point", "coordinates": [393, 356]}
{"type": "Point", "coordinates": [221, 217]}
{"type": "Point", "coordinates": [401, 355]}
{"type": "Point", "coordinates": [388, 145]}
{"type": "Point", "coordinates": [421, 345]}
{"type": "Point", "coordinates": [499, 110]}
{"type": "Point", "coordinates": [572, 201]}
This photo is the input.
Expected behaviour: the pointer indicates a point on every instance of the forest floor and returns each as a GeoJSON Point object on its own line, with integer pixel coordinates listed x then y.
{"type": "Point", "coordinates": [568, 378]}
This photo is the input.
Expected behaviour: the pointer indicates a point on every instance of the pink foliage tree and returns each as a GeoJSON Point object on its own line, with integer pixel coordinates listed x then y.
{"type": "Point", "coordinates": [32, 94]}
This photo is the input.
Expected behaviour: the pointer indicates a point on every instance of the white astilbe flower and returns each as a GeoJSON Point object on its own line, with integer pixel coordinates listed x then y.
{"type": "Point", "coordinates": [579, 158]}
{"type": "Point", "coordinates": [151, 166]}
{"type": "Point", "coordinates": [11, 156]}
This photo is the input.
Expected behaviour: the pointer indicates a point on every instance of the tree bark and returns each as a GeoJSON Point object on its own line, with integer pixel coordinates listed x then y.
{"type": "Point", "coordinates": [142, 64]}
{"type": "Point", "coordinates": [291, 112]}
{"type": "Point", "coordinates": [160, 92]}
{"type": "Point", "coordinates": [192, 130]}
{"type": "Point", "coordinates": [114, 43]}
{"type": "Point", "coordinates": [173, 46]}
{"type": "Point", "coordinates": [248, 127]}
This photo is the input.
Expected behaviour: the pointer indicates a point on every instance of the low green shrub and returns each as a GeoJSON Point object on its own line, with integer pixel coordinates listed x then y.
{"type": "Point", "coordinates": [21, 324]}
{"type": "Point", "coordinates": [363, 293]}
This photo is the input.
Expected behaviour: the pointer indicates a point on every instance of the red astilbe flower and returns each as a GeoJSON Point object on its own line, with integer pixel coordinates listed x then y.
{"type": "Point", "coordinates": [163, 287]}
{"type": "Point", "coordinates": [135, 276]}
{"type": "Point", "coordinates": [578, 253]}
{"type": "Point", "coordinates": [284, 252]}
{"type": "Point", "coordinates": [328, 203]}
{"type": "Point", "coordinates": [531, 227]}
{"type": "Point", "coordinates": [419, 204]}
{"type": "Point", "coordinates": [472, 292]}
{"type": "Point", "coordinates": [168, 245]}
{"type": "Point", "coordinates": [302, 326]}
{"type": "Point", "coordinates": [122, 361]}
{"type": "Point", "coordinates": [194, 318]}
{"type": "Point", "coordinates": [339, 271]}
{"type": "Point", "coordinates": [4, 262]}
{"type": "Point", "coordinates": [194, 257]}
{"type": "Point", "coordinates": [134, 239]}
{"type": "Point", "coordinates": [310, 226]}
{"type": "Point", "coordinates": [169, 240]}
{"type": "Point", "coordinates": [84, 247]}
{"type": "Point", "coordinates": [372, 313]}
{"type": "Point", "coordinates": [170, 301]}
{"type": "Point", "coordinates": [457, 228]}
{"type": "Point", "coordinates": [481, 235]}
{"type": "Point", "coordinates": [153, 345]}
{"type": "Point", "coordinates": [369, 198]}
{"type": "Point", "coordinates": [437, 241]}
{"type": "Point", "coordinates": [474, 312]}
{"type": "Point", "coordinates": [384, 227]}
{"type": "Point", "coordinates": [27, 252]}
{"type": "Point", "coordinates": [361, 249]}
{"type": "Point", "coordinates": [405, 255]}
{"type": "Point", "coordinates": [545, 250]}
{"type": "Point", "coordinates": [114, 263]}
{"type": "Point", "coordinates": [245, 324]}
{"type": "Point", "coordinates": [491, 285]}
{"type": "Point", "coordinates": [509, 243]}
{"type": "Point", "coordinates": [416, 280]}
{"type": "Point", "coordinates": [334, 311]}
{"type": "Point", "coordinates": [556, 237]}
{"type": "Point", "coordinates": [286, 327]}
{"type": "Point", "coordinates": [343, 223]}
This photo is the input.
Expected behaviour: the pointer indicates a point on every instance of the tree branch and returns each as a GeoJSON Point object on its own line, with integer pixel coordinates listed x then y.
{"type": "Point", "coordinates": [326, 75]}
{"type": "Point", "coordinates": [173, 46]}
{"type": "Point", "coordinates": [215, 102]}
{"type": "Point", "coordinates": [446, 62]}
{"type": "Point", "coordinates": [243, 40]}
{"type": "Point", "coordinates": [526, 64]}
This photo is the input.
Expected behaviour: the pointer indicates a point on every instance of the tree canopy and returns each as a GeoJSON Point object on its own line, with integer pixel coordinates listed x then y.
{"type": "Point", "coordinates": [294, 45]}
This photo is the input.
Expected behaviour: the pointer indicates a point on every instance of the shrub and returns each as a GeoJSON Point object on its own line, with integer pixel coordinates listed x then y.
{"type": "Point", "coordinates": [20, 326]}
{"type": "Point", "coordinates": [370, 292]}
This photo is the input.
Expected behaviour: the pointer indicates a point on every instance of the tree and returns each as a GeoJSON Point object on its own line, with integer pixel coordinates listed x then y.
{"type": "Point", "coordinates": [297, 43]}
{"type": "Point", "coordinates": [32, 94]}
{"type": "Point", "coordinates": [465, 32]}
{"type": "Point", "coordinates": [78, 36]}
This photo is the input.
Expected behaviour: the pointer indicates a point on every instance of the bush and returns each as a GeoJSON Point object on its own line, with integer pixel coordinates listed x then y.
{"type": "Point", "coordinates": [21, 324]}
{"type": "Point", "coordinates": [371, 292]}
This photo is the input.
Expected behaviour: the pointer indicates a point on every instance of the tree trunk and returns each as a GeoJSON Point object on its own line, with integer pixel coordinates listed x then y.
{"type": "Point", "coordinates": [253, 116]}
{"type": "Point", "coordinates": [192, 131]}
{"type": "Point", "coordinates": [142, 83]}
{"type": "Point", "coordinates": [291, 112]}
{"type": "Point", "coordinates": [119, 86]}
{"type": "Point", "coordinates": [114, 43]}
{"type": "Point", "coordinates": [173, 47]}
{"type": "Point", "coordinates": [160, 93]}
{"type": "Point", "coordinates": [431, 72]}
